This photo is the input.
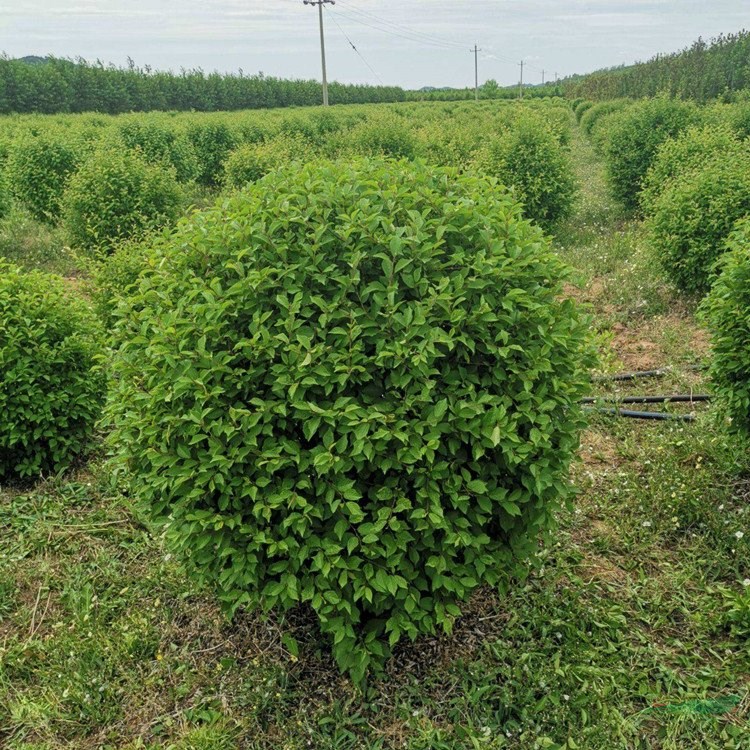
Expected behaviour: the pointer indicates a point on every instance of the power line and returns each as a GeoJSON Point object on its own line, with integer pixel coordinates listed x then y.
{"type": "Point", "coordinates": [389, 27]}
{"type": "Point", "coordinates": [351, 44]}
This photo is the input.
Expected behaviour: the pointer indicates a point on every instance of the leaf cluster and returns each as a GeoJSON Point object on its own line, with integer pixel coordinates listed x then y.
{"type": "Point", "coordinates": [727, 311]}
{"type": "Point", "coordinates": [353, 386]}
{"type": "Point", "coordinates": [51, 390]}
{"type": "Point", "coordinates": [117, 195]}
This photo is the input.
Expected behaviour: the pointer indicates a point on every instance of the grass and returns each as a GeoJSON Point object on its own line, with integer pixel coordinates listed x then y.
{"type": "Point", "coordinates": [632, 627]}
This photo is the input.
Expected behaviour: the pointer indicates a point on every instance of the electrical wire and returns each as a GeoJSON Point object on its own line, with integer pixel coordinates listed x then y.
{"type": "Point", "coordinates": [351, 44]}
{"type": "Point", "coordinates": [396, 27]}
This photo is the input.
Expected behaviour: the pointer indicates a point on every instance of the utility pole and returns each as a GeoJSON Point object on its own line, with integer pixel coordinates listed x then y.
{"type": "Point", "coordinates": [320, 4]}
{"type": "Point", "coordinates": [476, 72]}
{"type": "Point", "coordinates": [520, 85]}
{"type": "Point", "coordinates": [543, 72]}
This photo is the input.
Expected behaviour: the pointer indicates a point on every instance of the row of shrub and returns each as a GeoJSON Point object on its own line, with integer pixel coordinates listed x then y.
{"type": "Point", "coordinates": [686, 169]}
{"type": "Point", "coordinates": [109, 178]}
{"type": "Point", "coordinates": [354, 385]}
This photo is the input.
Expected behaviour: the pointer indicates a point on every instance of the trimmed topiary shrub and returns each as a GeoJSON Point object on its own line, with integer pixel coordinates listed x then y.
{"type": "Point", "coordinates": [634, 137]}
{"type": "Point", "coordinates": [51, 392]}
{"type": "Point", "coordinates": [39, 169]}
{"type": "Point", "coordinates": [689, 151]}
{"type": "Point", "coordinates": [727, 311]}
{"type": "Point", "coordinates": [250, 162]}
{"type": "Point", "coordinates": [693, 217]}
{"type": "Point", "coordinates": [529, 159]}
{"type": "Point", "coordinates": [213, 142]}
{"type": "Point", "coordinates": [162, 145]}
{"type": "Point", "coordinates": [117, 195]}
{"type": "Point", "coordinates": [353, 386]}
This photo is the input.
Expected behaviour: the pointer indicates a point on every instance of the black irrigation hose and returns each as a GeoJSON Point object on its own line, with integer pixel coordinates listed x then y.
{"type": "Point", "coordinates": [636, 375]}
{"type": "Point", "coordinates": [660, 373]}
{"type": "Point", "coordinates": [644, 414]}
{"type": "Point", "coordinates": [676, 399]}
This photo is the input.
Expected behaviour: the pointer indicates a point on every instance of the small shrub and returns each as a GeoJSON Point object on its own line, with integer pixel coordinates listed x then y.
{"type": "Point", "coordinates": [51, 392]}
{"type": "Point", "coordinates": [634, 137]}
{"type": "Point", "coordinates": [693, 217]}
{"type": "Point", "coordinates": [354, 386]}
{"type": "Point", "coordinates": [689, 151]}
{"type": "Point", "coordinates": [599, 111]}
{"type": "Point", "coordinates": [213, 142]}
{"type": "Point", "coordinates": [250, 162]}
{"type": "Point", "coordinates": [727, 311]}
{"type": "Point", "coordinates": [382, 135]}
{"type": "Point", "coordinates": [115, 276]}
{"type": "Point", "coordinates": [582, 108]}
{"type": "Point", "coordinates": [39, 169]}
{"type": "Point", "coordinates": [162, 145]}
{"type": "Point", "coordinates": [529, 159]}
{"type": "Point", "coordinates": [5, 199]}
{"type": "Point", "coordinates": [118, 196]}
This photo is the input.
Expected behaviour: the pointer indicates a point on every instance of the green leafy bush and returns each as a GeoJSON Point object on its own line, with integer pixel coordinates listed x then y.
{"type": "Point", "coordinates": [39, 168]}
{"type": "Point", "coordinates": [51, 392]}
{"type": "Point", "coordinates": [693, 217]}
{"type": "Point", "coordinates": [213, 141]}
{"type": "Point", "coordinates": [252, 161]}
{"type": "Point", "coordinates": [354, 386]}
{"type": "Point", "coordinates": [162, 145]}
{"type": "Point", "coordinates": [117, 195]}
{"type": "Point", "coordinates": [382, 135]}
{"type": "Point", "coordinates": [599, 111]}
{"type": "Point", "coordinates": [5, 198]}
{"type": "Point", "coordinates": [582, 108]}
{"type": "Point", "coordinates": [115, 276]}
{"type": "Point", "coordinates": [689, 151]}
{"type": "Point", "coordinates": [529, 159]}
{"type": "Point", "coordinates": [633, 139]}
{"type": "Point", "coordinates": [727, 311]}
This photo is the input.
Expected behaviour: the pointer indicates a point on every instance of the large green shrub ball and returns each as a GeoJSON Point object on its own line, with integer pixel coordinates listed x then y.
{"type": "Point", "coordinates": [117, 195]}
{"type": "Point", "coordinates": [692, 149]}
{"type": "Point", "coordinates": [356, 386]}
{"type": "Point", "coordinates": [727, 310]}
{"type": "Point", "coordinates": [39, 169]}
{"type": "Point", "coordinates": [250, 162]}
{"type": "Point", "coordinates": [212, 141]}
{"type": "Point", "coordinates": [51, 392]}
{"type": "Point", "coordinates": [693, 217]}
{"type": "Point", "coordinates": [592, 116]}
{"type": "Point", "coordinates": [529, 159]}
{"type": "Point", "coordinates": [633, 139]}
{"type": "Point", "coordinates": [162, 145]}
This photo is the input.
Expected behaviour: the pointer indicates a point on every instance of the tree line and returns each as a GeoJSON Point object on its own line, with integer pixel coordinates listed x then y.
{"type": "Point", "coordinates": [50, 85]}
{"type": "Point", "coordinates": [701, 72]}
{"type": "Point", "coordinates": [54, 85]}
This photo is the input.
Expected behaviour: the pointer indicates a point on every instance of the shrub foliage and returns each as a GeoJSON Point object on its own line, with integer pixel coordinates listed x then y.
{"type": "Point", "coordinates": [117, 196]}
{"type": "Point", "coordinates": [633, 139]}
{"type": "Point", "coordinates": [50, 390]}
{"type": "Point", "coordinates": [693, 217]}
{"type": "Point", "coordinates": [39, 168]}
{"type": "Point", "coordinates": [727, 310]}
{"type": "Point", "coordinates": [529, 159]}
{"type": "Point", "coordinates": [353, 386]}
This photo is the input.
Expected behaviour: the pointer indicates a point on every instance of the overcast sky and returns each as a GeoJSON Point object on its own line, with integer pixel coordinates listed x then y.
{"type": "Point", "coordinates": [411, 43]}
